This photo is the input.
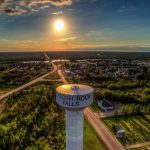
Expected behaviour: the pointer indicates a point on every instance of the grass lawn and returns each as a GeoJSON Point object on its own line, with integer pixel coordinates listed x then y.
{"type": "Point", "coordinates": [91, 140]}
{"type": "Point", "coordinates": [53, 76]}
{"type": "Point", "coordinates": [4, 90]}
{"type": "Point", "coordinates": [137, 128]}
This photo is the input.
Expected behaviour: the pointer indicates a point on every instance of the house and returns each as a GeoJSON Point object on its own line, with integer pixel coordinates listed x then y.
{"type": "Point", "coordinates": [105, 105]}
{"type": "Point", "coordinates": [120, 133]}
{"type": "Point", "coordinates": [69, 73]}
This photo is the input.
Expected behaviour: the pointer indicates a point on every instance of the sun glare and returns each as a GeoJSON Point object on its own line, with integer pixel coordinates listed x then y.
{"type": "Point", "coordinates": [59, 25]}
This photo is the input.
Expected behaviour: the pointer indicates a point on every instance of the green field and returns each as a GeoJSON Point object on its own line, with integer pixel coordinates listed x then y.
{"type": "Point", "coordinates": [91, 140]}
{"type": "Point", "coordinates": [33, 121]}
{"type": "Point", "coordinates": [137, 128]}
{"type": "Point", "coordinates": [4, 90]}
{"type": "Point", "coordinates": [53, 76]}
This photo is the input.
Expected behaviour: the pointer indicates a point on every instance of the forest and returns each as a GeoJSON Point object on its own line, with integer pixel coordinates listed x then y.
{"type": "Point", "coordinates": [32, 120]}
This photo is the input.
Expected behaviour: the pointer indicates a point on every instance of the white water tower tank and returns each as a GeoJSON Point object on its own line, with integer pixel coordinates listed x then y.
{"type": "Point", "coordinates": [74, 98]}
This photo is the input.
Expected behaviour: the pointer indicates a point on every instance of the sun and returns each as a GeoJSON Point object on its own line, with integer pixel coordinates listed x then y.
{"type": "Point", "coordinates": [59, 25]}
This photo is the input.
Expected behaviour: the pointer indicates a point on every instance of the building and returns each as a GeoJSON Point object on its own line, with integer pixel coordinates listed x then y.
{"type": "Point", "coordinates": [105, 105]}
{"type": "Point", "coordinates": [69, 73]}
{"type": "Point", "coordinates": [120, 133]}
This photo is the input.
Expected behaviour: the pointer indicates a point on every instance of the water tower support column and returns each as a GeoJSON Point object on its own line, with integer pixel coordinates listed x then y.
{"type": "Point", "coordinates": [74, 130]}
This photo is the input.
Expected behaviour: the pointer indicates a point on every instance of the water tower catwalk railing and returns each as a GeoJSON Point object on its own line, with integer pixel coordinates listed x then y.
{"type": "Point", "coordinates": [74, 98]}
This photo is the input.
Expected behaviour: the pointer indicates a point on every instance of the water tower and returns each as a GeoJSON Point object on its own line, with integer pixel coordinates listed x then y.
{"type": "Point", "coordinates": [74, 98]}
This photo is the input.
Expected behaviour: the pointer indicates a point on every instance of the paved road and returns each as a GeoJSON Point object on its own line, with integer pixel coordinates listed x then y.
{"type": "Point", "coordinates": [62, 77]}
{"type": "Point", "coordinates": [47, 57]}
{"type": "Point", "coordinates": [29, 83]}
{"type": "Point", "coordinates": [108, 138]}
{"type": "Point", "coordinates": [138, 145]}
{"type": "Point", "coordinates": [102, 131]}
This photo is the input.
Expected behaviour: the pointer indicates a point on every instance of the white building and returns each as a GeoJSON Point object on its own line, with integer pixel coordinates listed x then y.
{"type": "Point", "coordinates": [105, 105]}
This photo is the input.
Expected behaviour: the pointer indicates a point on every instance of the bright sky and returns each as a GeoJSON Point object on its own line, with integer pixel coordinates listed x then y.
{"type": "Point", "coordinates": [29, 25]}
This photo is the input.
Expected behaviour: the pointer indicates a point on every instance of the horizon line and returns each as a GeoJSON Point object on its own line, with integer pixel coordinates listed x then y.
{"type": "Point", "coordinates": [35, 51]}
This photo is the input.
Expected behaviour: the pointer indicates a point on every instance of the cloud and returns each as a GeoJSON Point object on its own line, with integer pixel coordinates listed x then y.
{"type": "Point", "coordinates": [125, 9]}
{"type": "Point", "coordinates": [44, 7]}
{"type": "Point", "coordinates": [18, 7]}
{"type": "Point", "coordinates": [17, 41]}
{"type": "Point", "coordinates": [14, 11]}
{"type": "Point", "coordinates": [3, 4]}
{"type": "Point", "coordinates": [57, 13]}
{"type": "Point", "coordinates": [94, 33]}
{"type": "Point", "coordinates": [30, 3]}
{"type": "Point", "coordinates": [67, 39]}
